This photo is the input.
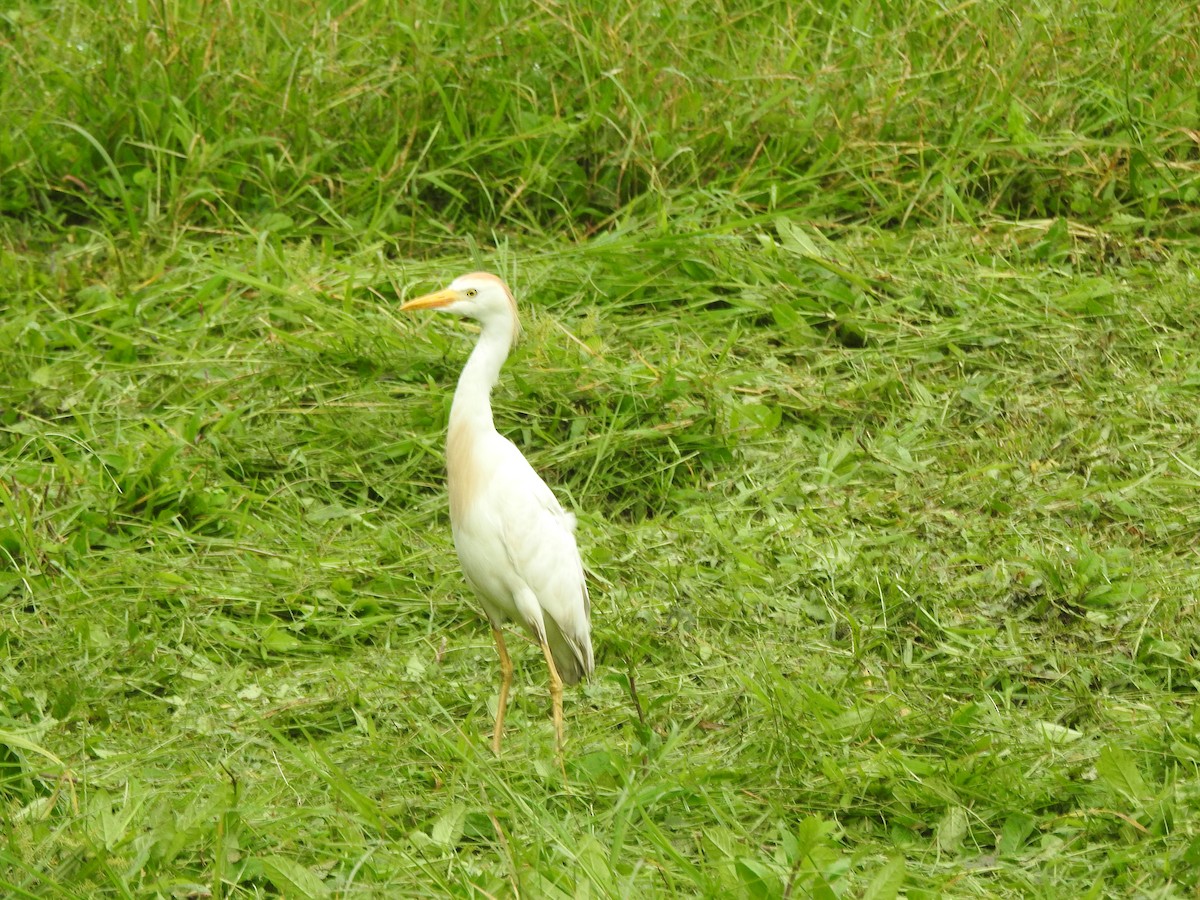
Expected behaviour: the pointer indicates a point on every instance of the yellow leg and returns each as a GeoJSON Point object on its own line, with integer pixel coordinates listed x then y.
{"type": "Point", "coordinates": [506, 676]}
{"type": "Point", "coordinates": [556, 701]}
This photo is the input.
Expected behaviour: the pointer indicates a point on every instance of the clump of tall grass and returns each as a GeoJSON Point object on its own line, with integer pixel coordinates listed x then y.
{"type": "Point", "coordinates": [428, 122]}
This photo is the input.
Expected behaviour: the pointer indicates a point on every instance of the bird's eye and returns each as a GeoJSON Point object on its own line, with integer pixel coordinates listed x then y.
{"type": "Point", "coordinates": [471, 292]}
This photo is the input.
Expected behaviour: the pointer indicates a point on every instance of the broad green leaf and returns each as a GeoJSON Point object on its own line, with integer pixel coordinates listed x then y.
{"type": "Point", "coordinates": [952, 829]}
{"type": "Point", "coordinates": [1016, 829]}
{"type": "Point", "coordinates": [292, 879]}
{"type": "Point", "coordinates": [887, 881]}
{"type": "Point", "coordinates": [449, 827]}
{"type": "Point", "coordinates": [1118, 771]}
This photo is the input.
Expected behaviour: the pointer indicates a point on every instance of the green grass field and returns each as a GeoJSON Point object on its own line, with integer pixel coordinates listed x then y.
{"type": "Point", "coordinates": [863, 339]}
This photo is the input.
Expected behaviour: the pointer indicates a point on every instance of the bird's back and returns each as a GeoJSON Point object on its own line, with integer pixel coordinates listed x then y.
{"type": "Point", "coordinates": [515, 541]}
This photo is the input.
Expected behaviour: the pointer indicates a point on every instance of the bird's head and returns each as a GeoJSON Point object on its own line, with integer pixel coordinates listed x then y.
{"type": "Point", "coordinates": [480, 296]}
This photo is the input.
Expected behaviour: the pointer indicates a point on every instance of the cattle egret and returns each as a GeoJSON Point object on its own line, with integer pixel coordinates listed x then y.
{"type": "Point", "coordinates": [515, 542]}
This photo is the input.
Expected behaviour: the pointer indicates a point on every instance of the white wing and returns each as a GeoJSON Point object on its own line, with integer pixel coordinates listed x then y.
{"type": "Point", "coordinates": [517, 548]}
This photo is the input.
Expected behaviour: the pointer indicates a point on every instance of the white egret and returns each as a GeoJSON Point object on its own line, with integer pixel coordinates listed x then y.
{"type": "Point", "coordinates": [515, 542]}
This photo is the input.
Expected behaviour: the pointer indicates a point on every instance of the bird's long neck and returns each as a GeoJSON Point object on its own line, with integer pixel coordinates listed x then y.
{"type": "Point", "coordinates": [471, 416]}
{"type": "Point", "coordinates": [472, 407]}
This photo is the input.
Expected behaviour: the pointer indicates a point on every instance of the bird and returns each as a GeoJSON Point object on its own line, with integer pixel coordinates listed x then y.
{"type": "Point", "coordinates": [515, 542]}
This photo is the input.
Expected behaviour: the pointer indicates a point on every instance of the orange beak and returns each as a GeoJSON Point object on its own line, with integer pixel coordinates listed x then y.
{"type": "Point", "coordinates": [432, 301]}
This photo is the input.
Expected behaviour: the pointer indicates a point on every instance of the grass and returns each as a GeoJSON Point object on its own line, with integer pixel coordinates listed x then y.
{"type": "Point", "coordinates": [862, 343]}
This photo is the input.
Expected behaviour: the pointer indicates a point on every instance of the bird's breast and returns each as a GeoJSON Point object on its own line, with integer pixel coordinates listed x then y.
{"type": "Point", "coordinates": [465, 470]}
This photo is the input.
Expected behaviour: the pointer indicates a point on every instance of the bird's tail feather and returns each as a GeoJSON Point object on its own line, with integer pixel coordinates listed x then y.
{"type": "Point", "coordinates": [572, 654]}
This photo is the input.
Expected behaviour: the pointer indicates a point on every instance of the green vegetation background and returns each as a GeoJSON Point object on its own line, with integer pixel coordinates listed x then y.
{"type": "Point", "coordinates": [862, 337]}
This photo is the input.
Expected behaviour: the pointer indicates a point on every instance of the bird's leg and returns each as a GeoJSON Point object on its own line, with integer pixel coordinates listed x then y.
{"type": "Point", "coordinates": [556, 701]}
{"type": "Point", "coordinates": [506, 676]}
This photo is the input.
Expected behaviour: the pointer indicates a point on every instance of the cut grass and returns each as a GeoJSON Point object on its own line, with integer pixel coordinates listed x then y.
{"type": "Point", "coordinates": [877, 405]}
{"type": "Point", "coordinates": [908, 603]}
